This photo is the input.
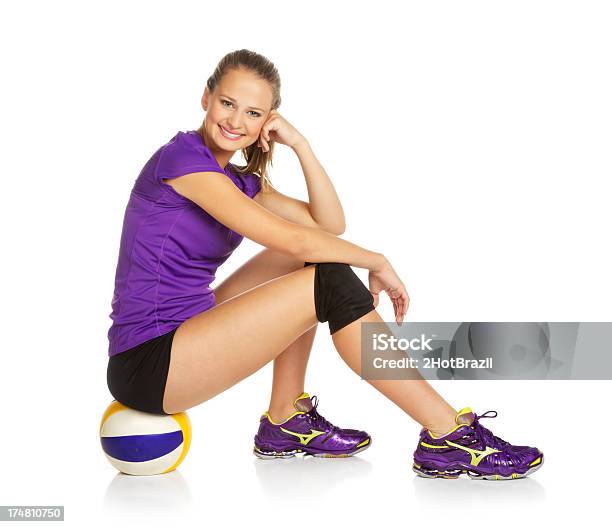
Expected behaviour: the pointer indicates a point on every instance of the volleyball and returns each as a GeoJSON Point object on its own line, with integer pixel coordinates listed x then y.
{"type": "Point", "coordinates": [144, 444]}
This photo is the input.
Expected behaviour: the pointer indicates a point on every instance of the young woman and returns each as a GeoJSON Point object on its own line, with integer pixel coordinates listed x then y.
{"type": "Point", "coordinates": [175, 342]}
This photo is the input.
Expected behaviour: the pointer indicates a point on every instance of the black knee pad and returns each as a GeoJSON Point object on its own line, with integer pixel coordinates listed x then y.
{"type": "Point", "coordinates": [340, 296]}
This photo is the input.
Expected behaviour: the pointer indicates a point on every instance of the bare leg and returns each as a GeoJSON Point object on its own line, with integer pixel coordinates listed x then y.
{"type": "Point", "coordinates": [416, 397]}
{"type": "Point", "coordinates": [290, 366]}
{"type": "Point", "coordinates": [289, 375]}
{"type": "Point", "coordinates": [219, 347]}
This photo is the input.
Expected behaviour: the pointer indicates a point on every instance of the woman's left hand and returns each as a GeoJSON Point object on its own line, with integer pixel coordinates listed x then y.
{"type": "Point", "coordinates": [278, 129]}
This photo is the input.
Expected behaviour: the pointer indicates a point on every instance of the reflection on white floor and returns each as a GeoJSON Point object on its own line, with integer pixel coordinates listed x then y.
{"type": "Point", "coordinates": [465, 492]}
{"type": "Point", "coordinates": [308, 476]}
{"type": "Point", "coordinates": [162, 495]}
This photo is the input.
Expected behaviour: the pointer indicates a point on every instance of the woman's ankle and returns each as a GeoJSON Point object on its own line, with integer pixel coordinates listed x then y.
{"type": "Point", "coordinates": [280, 413]}
{"type": "Point", "coordinates": [281, 407]}
{"type": "Point", "coordinates": [442, 428]}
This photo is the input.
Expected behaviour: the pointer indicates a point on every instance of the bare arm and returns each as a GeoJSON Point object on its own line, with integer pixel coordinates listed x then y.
{"type": "Point", "coordinates": [291, 209]}
{"type": "Point", "coordinates": [219, 197]}
{"type": "Point", "coordinates": [324, 204]}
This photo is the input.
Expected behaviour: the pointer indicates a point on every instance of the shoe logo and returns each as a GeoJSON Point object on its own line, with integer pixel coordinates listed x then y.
{"type": "Point", "coordinates": [304, 438]}
{"type": "Point", "coordinates": [476, 455]}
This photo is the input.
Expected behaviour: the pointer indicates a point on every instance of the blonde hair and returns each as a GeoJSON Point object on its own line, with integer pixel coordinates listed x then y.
{"type": "Point", "coordinates": [257, 160]}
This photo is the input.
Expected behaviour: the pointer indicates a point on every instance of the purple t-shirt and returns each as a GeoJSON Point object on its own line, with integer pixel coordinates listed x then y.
{"type": "Point", "coordinates": [170, 247]}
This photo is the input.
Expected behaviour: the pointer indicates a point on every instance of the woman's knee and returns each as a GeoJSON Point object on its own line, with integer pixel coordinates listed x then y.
{"type": "Point", "coordinates": [340, 296]}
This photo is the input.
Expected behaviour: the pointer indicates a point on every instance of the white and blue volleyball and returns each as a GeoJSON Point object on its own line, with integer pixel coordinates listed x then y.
{"type": "Point", "coordinates": [141, 443]}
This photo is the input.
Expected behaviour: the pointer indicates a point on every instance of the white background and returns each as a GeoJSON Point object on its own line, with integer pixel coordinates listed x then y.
{"type": "Point", "coordinates": [469, 142]}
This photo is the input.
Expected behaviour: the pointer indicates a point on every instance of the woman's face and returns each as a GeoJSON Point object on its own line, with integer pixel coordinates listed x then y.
{"type": "Point", "coordinates": [240, 105]}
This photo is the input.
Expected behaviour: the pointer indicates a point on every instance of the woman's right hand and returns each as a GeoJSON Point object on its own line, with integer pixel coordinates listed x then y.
{"type": "Point", "coordinates": [385, 279]}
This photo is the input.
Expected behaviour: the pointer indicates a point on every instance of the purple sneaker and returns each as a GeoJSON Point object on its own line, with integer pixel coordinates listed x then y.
{"type": "Point", "coordinates": [308, 432]}
{"type": "Point", "coordinates": [472, 449]}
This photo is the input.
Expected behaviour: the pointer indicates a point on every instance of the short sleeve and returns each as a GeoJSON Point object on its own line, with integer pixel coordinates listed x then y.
{"type": "Point", "coordinates": [253, 184]}
{"type": "Point", "coordinates": [181, 156]}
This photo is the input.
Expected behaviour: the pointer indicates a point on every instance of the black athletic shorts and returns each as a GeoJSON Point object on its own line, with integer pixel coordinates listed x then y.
{"type": "Point", "coordinates": [137, 377]}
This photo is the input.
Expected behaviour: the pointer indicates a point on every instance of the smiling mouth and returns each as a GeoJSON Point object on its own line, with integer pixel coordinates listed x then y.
{"type": "Point", "coordinates": [229, 135]}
